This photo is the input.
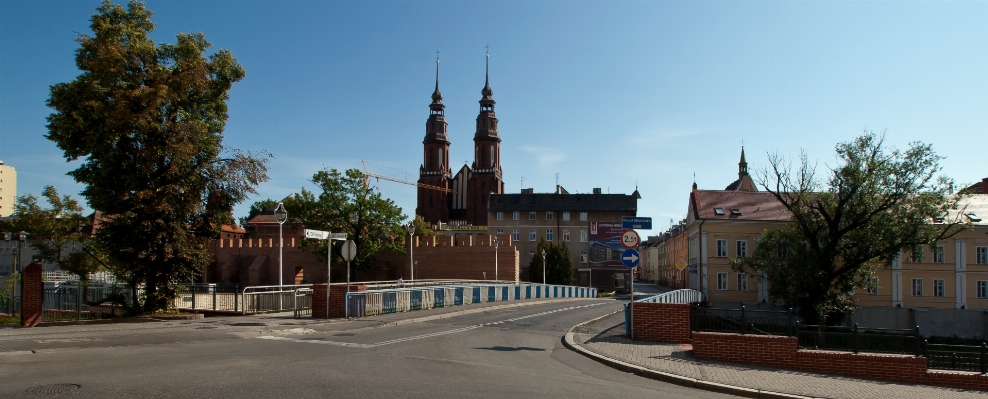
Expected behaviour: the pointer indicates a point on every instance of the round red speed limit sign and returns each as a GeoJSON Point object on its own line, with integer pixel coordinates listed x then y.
{"type": "Point", "coordinates": [629, 239]}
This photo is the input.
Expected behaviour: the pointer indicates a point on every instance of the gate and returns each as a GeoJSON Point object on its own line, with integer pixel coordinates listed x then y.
{"type": "Point", "coordinates": [303, 302]}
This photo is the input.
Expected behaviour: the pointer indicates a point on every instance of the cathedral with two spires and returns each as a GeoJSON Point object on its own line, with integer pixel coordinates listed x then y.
{"type": "Point", "coordinates": [461, 198]}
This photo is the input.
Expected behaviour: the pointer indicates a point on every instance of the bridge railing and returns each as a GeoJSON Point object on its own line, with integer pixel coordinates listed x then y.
{"type": "Point", "coordinates": [393, 300]}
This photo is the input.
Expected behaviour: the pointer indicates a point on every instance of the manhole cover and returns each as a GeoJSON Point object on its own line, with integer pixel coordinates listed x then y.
{"type": "Point", "coordinates": [52, 389]}
{"type": "Point", "coordinates": [343, 335]}
{"type": "Point", "coordinates": [247, 324]}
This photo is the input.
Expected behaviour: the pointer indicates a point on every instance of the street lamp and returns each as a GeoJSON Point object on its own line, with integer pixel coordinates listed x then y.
{"type": "Point", "coordinates": [281, 215]}
{"type": "Point", "coordinates": [543, 266]}
{"type": "Point", "coordinates": [411, 245]}
{"type": "Point", "coordinates": [495, 258]}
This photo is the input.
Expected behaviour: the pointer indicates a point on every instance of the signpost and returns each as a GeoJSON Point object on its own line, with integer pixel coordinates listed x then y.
{"type": "Point", "coordinates": [632, 222]}
{"type": "Point", "coordinates": [630, 258]}
{"type": "Point", "coordinates": [349, 251]}
{"type": "Point", "coordinates": [630, 239]}
{"type": "Point", "coordinates": [329, 237]}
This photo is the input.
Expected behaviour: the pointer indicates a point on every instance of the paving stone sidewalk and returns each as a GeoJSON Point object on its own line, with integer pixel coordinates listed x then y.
{"type": "Point", "coordinates": [606, 337]}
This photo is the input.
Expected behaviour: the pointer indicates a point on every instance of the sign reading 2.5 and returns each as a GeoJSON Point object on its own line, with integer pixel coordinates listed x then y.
{"type": "Point", "coordinates": [629, 239]}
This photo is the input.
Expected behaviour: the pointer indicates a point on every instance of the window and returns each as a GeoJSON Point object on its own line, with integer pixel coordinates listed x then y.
{"type": "Point", "coordinates": [982, 289]}
{"type": "Point", "coordinates": [938, 254]}
{"type": "Point", "coordinates": [742, 282]}
{"type": "Point", "coordinates": [735, 212]}
{"type": "Point", "coordinates": [500, 215]}
{"type": "Point", "coordinates": [531, 235]}
{"type": "Point", "coordinates": [515, 215]}
{"type": "Point", "coordinates": [873, 286]}
{"type": "Point", "coordinates": [583, 216]}
{"type": "Point", "coordinates": [583, 236]}
{"type": "Point", "coordinates": [531, 215]}
{"type": "Point", "coordinates": [719, 211]}
{"type": "Point", "coordinates": [982, 255]}
{"type": "Point", "coordinates": [917, 287]}
{"type": "Point", "coordinates": [500, 231]}
{"type": "Point", "coordinates": [548, 235]}
{"type": "Point", "coordinates": [583, 256]}
{"type": "Point", "coordinates": [565, 216]}
{"type": "Point", "coordinates": [917, 255]}
{"type": "Point", "coordinates": [515, 235]}
{"type": "Point", "coordinates": [722, 248]}
{"type": "Point", "coordinates": [938, 287]}
{"type": "Point", "coordinates": [548, 215]}
{"type": "Point", "coordinates": [721, 281]}
{"type": "Point", "coordinates": [742, 248]}
{"type": "Point", "coordinates": [565, 235]}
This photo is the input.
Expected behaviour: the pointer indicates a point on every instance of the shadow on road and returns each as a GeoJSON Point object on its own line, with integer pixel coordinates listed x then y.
{"type": "Point", "coordinates": [512, 349]}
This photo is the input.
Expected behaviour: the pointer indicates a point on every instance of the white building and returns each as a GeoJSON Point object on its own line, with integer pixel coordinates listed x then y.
{"type": "Point", "coordinates": [8, 189]}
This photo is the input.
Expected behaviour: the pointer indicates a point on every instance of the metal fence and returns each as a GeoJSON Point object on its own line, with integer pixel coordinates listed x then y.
{"type": "Point", "coordinates": [275, 298]}
{"type": "Point", "coordinates": [219, 297]}
{"type": "Point", "coordinates": [860, 339]}
{"type": "Point", "coordinates": [71, 302]}
{"type": "Point", "coordinates": [742, 321]}
{"type": "Point", "coordinates": [956, 357]}
{"type": "Point", "coordinates": [375, 302]}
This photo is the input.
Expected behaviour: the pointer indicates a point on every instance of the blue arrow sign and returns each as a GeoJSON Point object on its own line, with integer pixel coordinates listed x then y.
{"type": "Point", "coordinates": [630, 258]}
{"type": "Point", "coordinates": [632, 222]}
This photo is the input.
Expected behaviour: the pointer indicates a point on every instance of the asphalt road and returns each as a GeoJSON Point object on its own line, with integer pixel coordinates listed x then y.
{"type": "Point", "coordinates": [504, 353]}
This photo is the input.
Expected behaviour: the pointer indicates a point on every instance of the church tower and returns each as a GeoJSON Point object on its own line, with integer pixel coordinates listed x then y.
{"type": "Point", "coordinates": [486, 178]}
{"type": "Point", "coordinates": [433, 205]}
{"type": "Point", "coordinates": [744, 182]}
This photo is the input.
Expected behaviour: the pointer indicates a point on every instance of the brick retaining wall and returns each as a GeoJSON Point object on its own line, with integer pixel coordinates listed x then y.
{"type": "Point", "coordinates": [661, 322]}
{"type": "Point", "coordinates": [32, 294]}
{"type": "Point", "coordinates": [337, 299]}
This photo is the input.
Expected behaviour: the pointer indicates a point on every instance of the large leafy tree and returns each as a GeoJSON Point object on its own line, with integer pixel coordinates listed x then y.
{"type": "Point", "coordinates": [147, 121]}
{"type": "Point", "coordinates": [874, 202]}
{"type": "Point", "coordinates": [54, 230]}
{"type": "Point", "coordinates": [348, 205]}
{"type": "Point", "coordinates": [558, 264]}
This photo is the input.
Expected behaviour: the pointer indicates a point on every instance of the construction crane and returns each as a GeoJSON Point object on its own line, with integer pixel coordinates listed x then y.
{"type": "Point", "coordinates": [368, 175]}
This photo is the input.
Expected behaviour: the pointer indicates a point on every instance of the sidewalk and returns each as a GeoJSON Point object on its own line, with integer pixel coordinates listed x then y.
{"type": "Point", "coordinates": [605, 340]}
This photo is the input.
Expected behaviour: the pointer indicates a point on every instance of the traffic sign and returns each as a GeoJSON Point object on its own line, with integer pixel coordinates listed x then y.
{"type": "Point", "coordinates": [338, 236]}
{"type": "Point", "coordinates": [633, 222]}
{"type": "Point", "coordinates": [316, 234]}
{"type": "Point", "coordinates": [630, 258]}
{"type": "Point", "coordinates": [680, 265]}
{"type": "Point", "coordinates": [630, 239]}
{"type": "Point", "coordinates": [349, 250]}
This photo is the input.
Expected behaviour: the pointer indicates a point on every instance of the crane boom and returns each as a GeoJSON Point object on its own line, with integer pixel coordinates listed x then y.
{"type": "Point", "coordinates": [368, 175]}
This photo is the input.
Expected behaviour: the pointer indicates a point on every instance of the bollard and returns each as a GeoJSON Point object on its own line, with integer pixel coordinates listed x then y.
{"type": "Point", "coordinates": [855, 338]}
{"type": "Point", "coordinates": [744, 323]}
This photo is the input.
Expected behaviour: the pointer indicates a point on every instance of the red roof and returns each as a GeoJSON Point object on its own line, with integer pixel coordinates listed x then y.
{"type": "Point", "coordinates": [737, 205]}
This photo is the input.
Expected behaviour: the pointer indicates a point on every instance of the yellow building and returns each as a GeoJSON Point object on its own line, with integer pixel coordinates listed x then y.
{"type": "Point", "coordinates": [8, 189]}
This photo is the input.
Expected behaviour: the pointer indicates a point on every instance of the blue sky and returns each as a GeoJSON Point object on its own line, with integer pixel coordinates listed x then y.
{"type": "Point", "coordinates": [606, 94]}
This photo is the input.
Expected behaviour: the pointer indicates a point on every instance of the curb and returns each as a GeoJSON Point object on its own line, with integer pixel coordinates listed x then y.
{"type": "Point", "coordinates": [676, 379]}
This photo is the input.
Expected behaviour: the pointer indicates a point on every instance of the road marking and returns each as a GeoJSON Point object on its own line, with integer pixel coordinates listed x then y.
{"type": "Point", "coordinates": [417, 337]}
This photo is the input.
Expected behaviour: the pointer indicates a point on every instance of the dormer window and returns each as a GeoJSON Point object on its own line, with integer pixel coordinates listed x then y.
{"type": "Point", "coordinates": [735, 212]}
{"type": "Point", "coordinates": [974, 217]}
{"type": "Point", "coordinates": [719, 211]}
{"type": "Point", "coordinates": [938, 219]}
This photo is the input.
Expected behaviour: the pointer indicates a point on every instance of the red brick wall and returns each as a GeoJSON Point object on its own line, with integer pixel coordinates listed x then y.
{"type": "Point", "coordinates": [32, 293]}
{"type": "Point", "coordinates": [776, 351]}
{"type": "Point", "coordinates": [337, 299]}
{"type": "Point", "coordinates": [957, 379]}
{"type": "Point", "coordinates": [661, 322]}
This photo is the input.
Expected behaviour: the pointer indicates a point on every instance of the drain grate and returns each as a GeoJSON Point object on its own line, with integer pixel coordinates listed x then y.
{"type": "Point", "coordinates": [52, 389]}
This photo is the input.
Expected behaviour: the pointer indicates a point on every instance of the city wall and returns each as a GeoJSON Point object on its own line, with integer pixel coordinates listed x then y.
{"type": "Point", "coordinates": [255, 262]}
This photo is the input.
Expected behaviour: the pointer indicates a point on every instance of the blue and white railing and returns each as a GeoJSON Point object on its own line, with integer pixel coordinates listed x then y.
{"type": "Point", "coordinates": [375, 302]}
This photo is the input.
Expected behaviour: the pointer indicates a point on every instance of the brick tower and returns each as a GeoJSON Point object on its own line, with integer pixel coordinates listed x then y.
{"type": "Point", "coordinates": [433, 205]}
{"type": "Point", "coordinates": [486, 177]}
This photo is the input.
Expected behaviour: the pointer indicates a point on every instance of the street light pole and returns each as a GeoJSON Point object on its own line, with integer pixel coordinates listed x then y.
{"type": "Point", "coordinates": [543, 266]}
{"type": "Point", "coordinates": [411, 248]}
{"type": "Point", "coordinates": [281, 216]}
{"type": "Point", "coordinates": [495, 258]}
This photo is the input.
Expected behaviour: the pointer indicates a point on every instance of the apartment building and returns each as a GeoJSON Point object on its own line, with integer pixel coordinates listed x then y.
{"type": "Point", "coordinates": [526, 217]}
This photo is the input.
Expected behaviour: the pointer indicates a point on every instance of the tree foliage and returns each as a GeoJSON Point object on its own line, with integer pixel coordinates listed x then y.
{"type": "Point", "coordinates": [423, 229]}
{"type": "Point", "coordinates": [874, 203]}
{"type": "Point", "coordinates": [53, 230]}
{"type": "Point", "coordinates": [347, 205]}
{"type": "Point", "coordinates": [147, 121]}
{"type": "Point", "coordinates": [558, 263]}
{"type": "Point", "coordinates": [256, 208]}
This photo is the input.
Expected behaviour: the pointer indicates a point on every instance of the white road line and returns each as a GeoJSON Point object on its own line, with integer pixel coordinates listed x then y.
{"type": "Point", "coordinates": [417, 337]}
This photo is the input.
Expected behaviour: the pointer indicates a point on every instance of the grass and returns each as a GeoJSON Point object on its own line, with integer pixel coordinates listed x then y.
{"type": "Point", "coordinates": [10, 319]}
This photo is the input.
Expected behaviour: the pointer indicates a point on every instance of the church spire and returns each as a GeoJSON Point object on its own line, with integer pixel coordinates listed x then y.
{"type": "Point", "coordinates": [743, 165]}
{"type": "Point", "coordinates": [487, 93]}
{"type": "Point", "coordinates": [437, 97]}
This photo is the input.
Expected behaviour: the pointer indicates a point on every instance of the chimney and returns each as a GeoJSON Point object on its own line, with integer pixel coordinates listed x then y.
{"type": "Point", "coordinates": [596, 190]}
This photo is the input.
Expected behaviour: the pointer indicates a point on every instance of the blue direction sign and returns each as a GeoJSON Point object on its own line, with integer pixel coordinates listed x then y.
{"type": "Point", "coordinates": [630, 258]}
{"type": "Point", "coordinates": [633, 222]}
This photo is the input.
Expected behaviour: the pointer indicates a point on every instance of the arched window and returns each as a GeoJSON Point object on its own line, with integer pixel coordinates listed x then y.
{"type": "Point", "coordinates": [492, 156]}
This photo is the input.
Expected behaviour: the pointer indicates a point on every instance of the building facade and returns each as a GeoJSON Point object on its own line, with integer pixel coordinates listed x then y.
{"type": "Point", "coordinates": [444, 198]}
{"type": "Point", "coordinates": [560, 217]}
{"type": "Point", "coordinates": [8, 189]}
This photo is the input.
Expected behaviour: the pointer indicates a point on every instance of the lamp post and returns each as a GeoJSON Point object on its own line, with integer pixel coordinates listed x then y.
{"type": "Point", "coordinates": [543, 266]}
{"type": "Point", "coordinates": [495, 258]}
{"type": "Point", "coordinates": [281, 216]}
{"type": "Point", "coordinates": [411, 248]}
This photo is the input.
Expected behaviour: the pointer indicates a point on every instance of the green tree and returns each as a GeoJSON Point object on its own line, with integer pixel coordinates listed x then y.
{"type": "Point", "coordinates": [559, 265]}
{"type": "Point", "coordinates": [348, 205]}
{"type": "Point", "coordinates": [875, 202]}
{"type": "Point", "coordinates": [256, 208]}
{"type": "Point", "coordinates": [423, 229]}
{"type": "Point", "coordinates": [52, 230]}
{"type": "Point", "coordinates": [147, 121]}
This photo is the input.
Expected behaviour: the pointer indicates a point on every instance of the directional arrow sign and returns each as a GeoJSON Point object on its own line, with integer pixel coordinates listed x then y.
{"type": "Point", "coordinates": [630, 258]}
{"type": "Point", "coordinates": [316, 234]}
{"type": "Point", "coordinates": [338, 237]}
